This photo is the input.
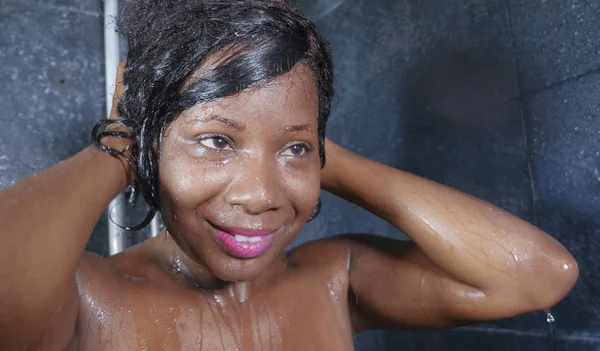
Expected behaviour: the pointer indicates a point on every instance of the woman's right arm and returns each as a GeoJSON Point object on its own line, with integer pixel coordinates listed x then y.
{"type": "Point", "coordinates": [45, 223]}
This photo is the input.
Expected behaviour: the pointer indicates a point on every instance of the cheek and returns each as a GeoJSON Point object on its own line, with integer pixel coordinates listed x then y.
{"type": "Point", "coordinates": [188, 183]}
{"type": "Point", "coordinates": [303, 189]}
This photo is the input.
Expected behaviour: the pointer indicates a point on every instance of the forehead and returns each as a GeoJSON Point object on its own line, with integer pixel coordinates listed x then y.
{"type": "Point", "coordinates": [291, 97]}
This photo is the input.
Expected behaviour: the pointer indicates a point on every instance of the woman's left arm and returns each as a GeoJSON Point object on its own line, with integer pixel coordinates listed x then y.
{"type": "Point", "coordinates": [469, 261]}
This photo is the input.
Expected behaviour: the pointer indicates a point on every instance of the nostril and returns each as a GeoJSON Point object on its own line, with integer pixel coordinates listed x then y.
{"type": "Point", "coordinates": [258, 205]}
{"type": "Point", "coordinates": [253, 201]}
{"type": "Point", "coordinates": [256, 190]}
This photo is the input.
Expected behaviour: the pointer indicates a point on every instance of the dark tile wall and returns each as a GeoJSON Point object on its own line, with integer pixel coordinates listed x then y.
{"type": "Point", "coordinates": [52, 69]}
{"type": "Point", "coordinates": [498, 98]}
{"type": "Point", "coordinates": [554, 40]}
{"type": "Point", "coordinates": [563, 123]}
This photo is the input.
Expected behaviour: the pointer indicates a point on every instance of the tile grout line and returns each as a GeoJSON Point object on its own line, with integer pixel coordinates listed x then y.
{"type": "Point", "coordinates": [522, 95]}
{"type": "Point", "coordinates": [503, 331]}
{"type": "Point", "coordinates": [519, 99]}
{"type": "Point", "coordinates": [528, 150]}
{"type": "Point", "coordinates": [561, 82]}
{"type": "Point", "coordinates": [551, 333]}
{"type": "Point", "coordinates": [580, 336]}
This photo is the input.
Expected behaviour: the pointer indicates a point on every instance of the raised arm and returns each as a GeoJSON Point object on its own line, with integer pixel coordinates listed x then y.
{"type": "Point", "coordinates": [468, 261]}
{"type": "Point", "coordinates": [45, 222]}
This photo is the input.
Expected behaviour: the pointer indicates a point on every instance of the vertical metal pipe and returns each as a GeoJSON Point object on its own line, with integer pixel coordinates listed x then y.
{"type": "Point", "coordinates": [116, 209]}
{"type": "Point", "coordinates": [155, 225]}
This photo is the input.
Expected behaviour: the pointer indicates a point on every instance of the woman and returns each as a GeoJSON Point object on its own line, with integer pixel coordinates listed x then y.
{"type": "Point", "coordinates": [221, 124]}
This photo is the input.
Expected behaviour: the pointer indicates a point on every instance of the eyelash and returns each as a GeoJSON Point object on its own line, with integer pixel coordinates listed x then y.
{"type": "Point", "coordinates": [213, 137]}
{"type": "Point", "coordinates": [307, 147]}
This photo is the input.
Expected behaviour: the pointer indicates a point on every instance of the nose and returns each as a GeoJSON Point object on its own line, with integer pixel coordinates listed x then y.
{"type": "Point", "coordinates": [256, 186]}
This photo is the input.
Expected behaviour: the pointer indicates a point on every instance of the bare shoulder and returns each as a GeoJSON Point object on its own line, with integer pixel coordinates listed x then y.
{"type": "Point", "coordinates": [326, 260]}
{"type": "Point", "coordinates": [340, 251]}
{"type": "Point", "coordinates": [96, 272]}
{"type": "Point", "coordinates": [97, 280]}
{"type": "Point", "coordinates": [99, 275]}
{"type": "Point", "coordinates": [332, 252]}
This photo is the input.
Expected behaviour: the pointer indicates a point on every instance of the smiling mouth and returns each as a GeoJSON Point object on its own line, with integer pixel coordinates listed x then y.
{"type": "Point", "coordinates": [242, 243]}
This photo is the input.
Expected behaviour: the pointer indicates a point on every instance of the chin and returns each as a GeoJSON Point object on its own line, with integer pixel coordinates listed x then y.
{"type": "Point", "coordinates": [234, 261]}
{"type": "Point", "coordinates": [234, 269]}
{"type": "Point", "coordinates": [235, 254]}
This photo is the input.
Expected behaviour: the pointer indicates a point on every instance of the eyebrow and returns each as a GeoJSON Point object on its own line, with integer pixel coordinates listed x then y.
{"type": "Point", "coordinates": [297, 128]}
{"type": "Point", "coordinates": [228, 122]}
{"type": "Point", "coordinates": [241, 126]}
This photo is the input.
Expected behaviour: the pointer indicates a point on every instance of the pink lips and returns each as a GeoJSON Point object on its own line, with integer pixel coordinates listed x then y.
{"type": "Point", "coordinates": [244, 243]}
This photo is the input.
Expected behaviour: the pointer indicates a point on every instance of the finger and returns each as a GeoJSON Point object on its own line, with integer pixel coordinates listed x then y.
{"type": "Point", "coordinates": [118, 90]}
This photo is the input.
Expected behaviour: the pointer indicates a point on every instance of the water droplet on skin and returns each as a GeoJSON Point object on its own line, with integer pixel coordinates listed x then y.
{"type": "Point", "coordinates": [549, 317]}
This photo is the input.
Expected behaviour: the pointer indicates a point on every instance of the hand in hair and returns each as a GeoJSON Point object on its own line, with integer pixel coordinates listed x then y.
{"type": "Point", "coordinates": [118, 90]}
{"type": "Point", "coordinates": [122, 144]}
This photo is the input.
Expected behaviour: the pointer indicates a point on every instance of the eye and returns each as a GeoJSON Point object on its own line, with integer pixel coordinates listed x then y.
{"type": "Point", "coordinates": [297, 150]}
{"type": "Point", "coordinates": [215, 142]}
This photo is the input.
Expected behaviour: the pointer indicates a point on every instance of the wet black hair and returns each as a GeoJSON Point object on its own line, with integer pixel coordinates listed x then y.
{"type": "Point", "coordinates": [168, 40]}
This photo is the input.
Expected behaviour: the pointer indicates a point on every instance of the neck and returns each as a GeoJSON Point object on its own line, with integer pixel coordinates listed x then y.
{"type": "Point", "coordinates": [198, 276]}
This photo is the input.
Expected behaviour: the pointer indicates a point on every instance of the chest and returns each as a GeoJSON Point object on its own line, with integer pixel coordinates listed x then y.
{"type": "Point", "coordinates": [307, 317]}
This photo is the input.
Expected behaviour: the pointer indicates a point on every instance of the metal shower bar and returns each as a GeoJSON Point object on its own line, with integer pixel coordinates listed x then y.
{"type": "Point", "coordinates": [116, 208]}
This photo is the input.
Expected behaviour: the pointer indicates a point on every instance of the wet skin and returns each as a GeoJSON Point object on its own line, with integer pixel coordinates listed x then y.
{"type": "Point", "coordinates": [250, 163]}
{"type": "Point", "coordinates": [246, 162]}
{"type": "Point", "coordinates": [134, 302]}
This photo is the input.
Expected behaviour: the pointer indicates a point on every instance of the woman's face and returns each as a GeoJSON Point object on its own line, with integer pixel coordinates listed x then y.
{"type": "Point", "coordinates": [240, 176]}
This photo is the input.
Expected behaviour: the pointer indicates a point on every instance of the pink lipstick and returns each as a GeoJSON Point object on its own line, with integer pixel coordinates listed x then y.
{"type": "Point", "coordinates": [244, 243]}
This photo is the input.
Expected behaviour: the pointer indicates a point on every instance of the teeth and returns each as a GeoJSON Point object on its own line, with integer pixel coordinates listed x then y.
{"type": "Point", "coordinates": [247, 239]}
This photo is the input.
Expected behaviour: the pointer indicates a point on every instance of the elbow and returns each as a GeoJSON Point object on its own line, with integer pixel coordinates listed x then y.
{"type": "Point", "coordinates": [566, 278]}
{"type": "Point", "coordinates": [552, 283]}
